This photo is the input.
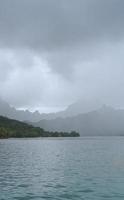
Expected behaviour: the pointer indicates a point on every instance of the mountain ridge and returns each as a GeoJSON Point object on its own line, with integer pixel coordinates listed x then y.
{"type": "Point", "coordinates": [10, 128]}
{"type": "Point", "coordinates": [104, 121]}
{"type": "Point", "coordinates": [25, 115]}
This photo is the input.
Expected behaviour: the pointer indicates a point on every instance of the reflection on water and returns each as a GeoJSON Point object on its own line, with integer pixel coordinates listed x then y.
{"type": "Point", "coordinates": [85, 168]}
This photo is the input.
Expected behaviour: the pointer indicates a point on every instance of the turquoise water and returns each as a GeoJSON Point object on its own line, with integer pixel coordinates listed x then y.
{"type": "Point", "coordinates": [60, 169]}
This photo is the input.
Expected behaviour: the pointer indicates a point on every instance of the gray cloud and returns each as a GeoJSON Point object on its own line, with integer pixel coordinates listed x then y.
{"type": "Point", "coordinates": [53, 52]}
{"type": "Point", "coordinates": [48, 25]}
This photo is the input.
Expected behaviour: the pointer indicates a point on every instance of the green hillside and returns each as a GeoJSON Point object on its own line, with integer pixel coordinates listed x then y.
{"type": "Point", "coordinates": [13, 128]}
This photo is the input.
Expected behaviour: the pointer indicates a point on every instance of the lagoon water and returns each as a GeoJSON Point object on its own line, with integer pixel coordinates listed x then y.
{"type": "Point", "coordinates": [60, 169]}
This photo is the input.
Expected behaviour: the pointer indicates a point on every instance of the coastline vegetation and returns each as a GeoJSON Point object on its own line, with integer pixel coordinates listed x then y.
{"type": "Point", "coordinates": [10, 128]}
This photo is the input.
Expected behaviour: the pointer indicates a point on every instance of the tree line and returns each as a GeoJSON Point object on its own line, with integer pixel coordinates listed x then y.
{"type": "Point", "coordinates": [10, 128]}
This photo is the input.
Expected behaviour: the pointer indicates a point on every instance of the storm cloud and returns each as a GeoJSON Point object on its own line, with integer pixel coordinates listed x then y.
{"type": "Point", "coordinates": [54, 52]}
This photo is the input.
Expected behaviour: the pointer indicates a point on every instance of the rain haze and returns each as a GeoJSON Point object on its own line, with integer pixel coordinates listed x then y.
{"type": "Point", "coordinates": [54, 53]}
{"type": "Point", "coordinates": [61, 99]}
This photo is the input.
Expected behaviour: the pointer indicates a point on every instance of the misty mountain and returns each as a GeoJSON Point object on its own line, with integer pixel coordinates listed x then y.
{"type": "Point", "coordinates": [85, 117]}
{"type": "Point", "coordinates": [8, 111]}
{"type": "Point", "coordinates": [103, 121]}
{"type": "Point", "coordinates": [25, 115]}
{"type": "Point", "coordinates": [82, 106]}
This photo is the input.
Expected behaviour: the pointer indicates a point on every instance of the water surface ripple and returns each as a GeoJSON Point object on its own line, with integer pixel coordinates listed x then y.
{"type": "Point", "coordinates": [61, 169]}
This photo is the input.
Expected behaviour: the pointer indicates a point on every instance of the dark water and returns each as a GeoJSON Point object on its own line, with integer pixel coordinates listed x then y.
{"type": "Point", "coordinates": [60, 169]}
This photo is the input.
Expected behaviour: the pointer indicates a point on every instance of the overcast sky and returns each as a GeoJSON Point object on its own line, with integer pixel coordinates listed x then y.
{"type": "Point", "coordinates": [54, 52]}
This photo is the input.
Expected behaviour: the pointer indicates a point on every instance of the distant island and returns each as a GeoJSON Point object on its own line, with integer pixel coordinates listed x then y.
{"type": "Point", "coordinates": [10, 128]}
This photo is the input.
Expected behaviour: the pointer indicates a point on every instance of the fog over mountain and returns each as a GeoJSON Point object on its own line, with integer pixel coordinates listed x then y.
{"type": "Point", "coordinates": [54, 53]}
{"type": "Point", "coordinates": [87, 118]}
{"type": "Point", "coordinates": [8, 111]}
{"type": "Point", "coordinates": [106, 121]}
{"type": "Point", "coordinates": [25, 115]}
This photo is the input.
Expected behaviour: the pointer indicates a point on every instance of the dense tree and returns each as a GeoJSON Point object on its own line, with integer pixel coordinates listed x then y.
{"type": "Point", "coordinates": [14, 128]}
